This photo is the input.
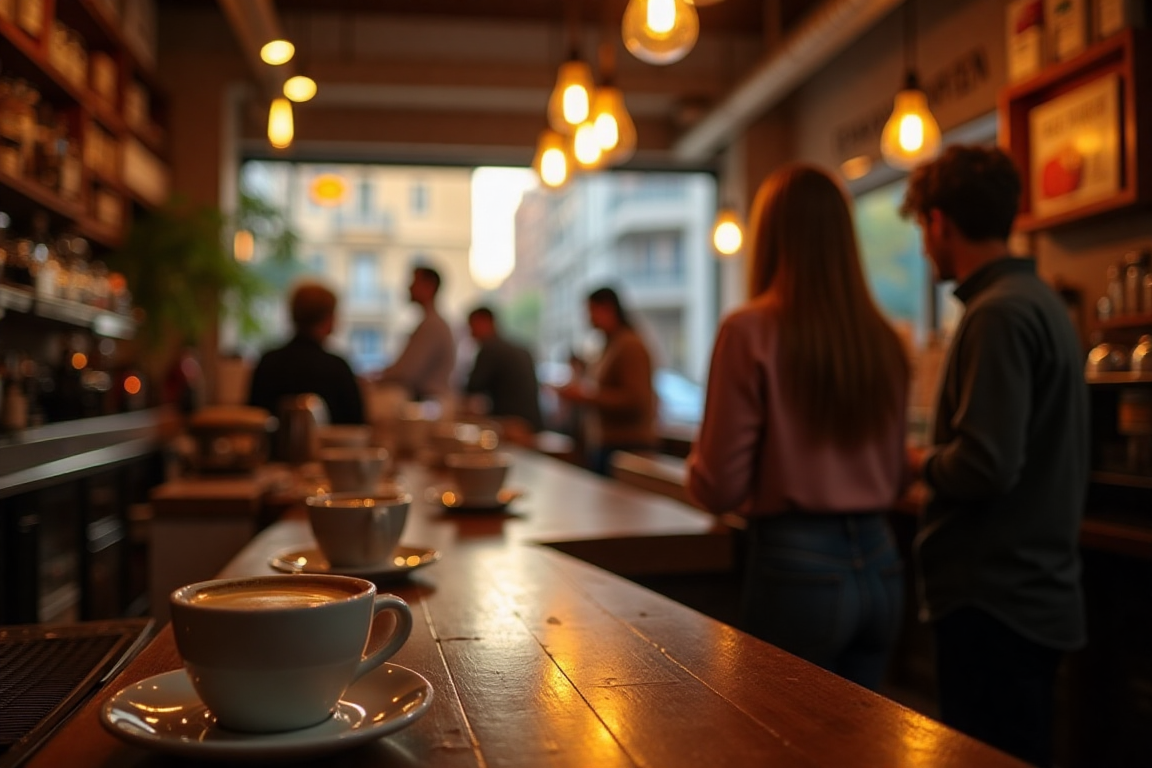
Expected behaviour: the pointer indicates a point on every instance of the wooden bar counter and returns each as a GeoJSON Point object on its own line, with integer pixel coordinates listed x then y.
{"type": "Point", "coordinates": [537, 658]}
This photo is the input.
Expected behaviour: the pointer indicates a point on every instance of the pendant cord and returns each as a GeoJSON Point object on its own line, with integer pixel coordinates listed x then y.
{"type": "Point", "coordinates": [910, 37]}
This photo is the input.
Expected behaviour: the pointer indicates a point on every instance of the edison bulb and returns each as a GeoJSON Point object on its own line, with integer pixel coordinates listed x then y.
{"type": "Point", "coordinates": [280, 128]}
{"type": "Point", "coordinates": [571, 99]}
{"type": "Point", "coordinates": [727, 233]}
{"type": "Point", "coordinates": [277, 52]}
{"type": "Point", "coordinates": [552, 163]}
{"type": "Point", "coordinates": [660, 31]}
{"type": "Point", "coordinates": [615, 131]}
{"type": "Point", "coordinates": [586, 146]}
{"type": "Point", "coordinates": [300, 88]}
{"type": "Point", "coordinates": [911, 136]}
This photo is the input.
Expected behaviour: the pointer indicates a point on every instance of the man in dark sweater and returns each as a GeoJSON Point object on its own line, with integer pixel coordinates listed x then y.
{"type": "Point", "coordinates": [998, 553]}
{"type": "Point", "coordinates": [303, 366]}
{"type": "Point", "coordinates": [503, 372]}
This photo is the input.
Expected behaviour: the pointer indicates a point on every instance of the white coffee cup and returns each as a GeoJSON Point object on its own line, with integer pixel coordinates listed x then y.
{"type": "Point", "coordinates": [356, 470]}
{"type": "Point", "coordinates": [354, 530]}
{"type": "Point", "coordinates": [276, 653]}
{"type": "Point", "coordinates": [478, 477]}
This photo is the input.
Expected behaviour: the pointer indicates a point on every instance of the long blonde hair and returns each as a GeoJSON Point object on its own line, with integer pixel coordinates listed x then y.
{"type": "Point", "coordinates": [843, 368]}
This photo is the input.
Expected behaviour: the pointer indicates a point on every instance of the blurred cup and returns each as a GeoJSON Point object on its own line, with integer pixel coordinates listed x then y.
{"type": "Point", "coordinates": [478, 477]}
{"type": "Point", "coordinates": [447, 437]}
{"type": "Point", "coordinates": [356, 470]}
{"type": "Point", "coordinates": [276, 653]}
{"type": "Point", "coordinates": [355, 530]}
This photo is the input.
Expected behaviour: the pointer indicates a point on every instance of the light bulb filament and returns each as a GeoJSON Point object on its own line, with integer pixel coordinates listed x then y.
{"type": "Point", "coordinates": [553, 167]}
{"type": "Point", "coordinates": [575, 104]}
{"type": "Point", "coordinates": [607, 131]}
{"type": "Point", "coordinates": [911, 133]}
{"type": "Point", "coordinates": [661, 16]}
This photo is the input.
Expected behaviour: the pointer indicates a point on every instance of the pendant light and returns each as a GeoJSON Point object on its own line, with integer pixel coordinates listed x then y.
{"type": "Point", "coordinates": [300, 88]}
{"type": "Point", "coordinates": [586, 149]}
{"type": "Point", "coordinates": [277, 52]}
{"type": "Point", "coordinates": [615, 131]}
{"type": "Point", "coordinates": [660, 31]}
{"type": "Point", "coordinates": [571, 99]}
{"type": "Point", "coordinates": [727, 232]}
{"type": "Point", "coordinates": [911, 136]}
{"type": "Point", "coordinates": [280, 129]}
{"type": "Point", "coordinates": [552, 163]}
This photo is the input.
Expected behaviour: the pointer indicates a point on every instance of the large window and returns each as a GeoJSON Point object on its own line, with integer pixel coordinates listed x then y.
{"type": "Point", "coordinates": [367, 348]}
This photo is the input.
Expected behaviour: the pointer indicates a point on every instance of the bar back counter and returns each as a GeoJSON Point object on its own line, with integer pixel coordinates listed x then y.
{"type": "Point", "coordinates": [539, 658]}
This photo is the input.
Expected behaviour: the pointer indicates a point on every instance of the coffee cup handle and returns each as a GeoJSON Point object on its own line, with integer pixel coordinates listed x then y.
{"type": "Point", "coordinates": [399, 635]}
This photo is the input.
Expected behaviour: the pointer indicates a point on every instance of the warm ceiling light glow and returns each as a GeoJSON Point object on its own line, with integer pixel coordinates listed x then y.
{"type": "Point", "coordinates": [551, 162]}
{"type": "Point", "coordinates": [911, 136]}
{"type": "Point", "coordinates": [727, 233]}
{"type": "Point", "coordinates": [571, 99]}
{"type": "Point", "coordinates": [277, 52]}
{"type": "Point", "coordinates": [243, 245]}
{"type": "Point", "coordinates": [300, 88]}
{"type": "Point", "coordinates": [79, 360]}
{"type": "Point", "coordinates": [280, 130]}
{"type": "Point", "coordinates": [615, 131]}
{"type": "Point", "coordinates": [132, 385]}
{"type": "Point", "coordinates": [660, 31]}
{"type": "Point", "coordinates": [586, 146]}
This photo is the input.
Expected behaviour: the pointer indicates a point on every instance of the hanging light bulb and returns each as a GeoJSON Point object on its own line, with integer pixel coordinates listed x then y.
{"type": "Point", "coordinates": [727, 232]}
{"type": "Point", "coordinates": [660, 31]}
{"type": "Point", "coordinates": [280, 128]}
{"type": "Point", "coordinates": [552, 163]}
{"type": "Point", "coordinates": [586, 149]}
{"type": "Point", "coordinates": [615, 131]}
{"type": "Point", "coordinates": [911, 136]}
{"type": "Point", "coordinates": [300, 88]}
{"type": "Point", "coordinates": [571, 99]}
{"type": "Point", "coordinates": [277, 52]}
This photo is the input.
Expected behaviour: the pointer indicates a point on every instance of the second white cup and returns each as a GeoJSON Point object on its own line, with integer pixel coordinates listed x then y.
{"type": "Point", "coordinates": [354, 530]}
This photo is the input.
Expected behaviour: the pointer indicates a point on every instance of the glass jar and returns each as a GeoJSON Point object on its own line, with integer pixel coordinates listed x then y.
{"type": "Point", "coordinates": [1135, 267]}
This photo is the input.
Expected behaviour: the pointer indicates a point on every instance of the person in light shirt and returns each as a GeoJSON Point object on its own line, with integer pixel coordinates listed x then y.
{"type": "Point", "coordinates": [803, 434]}
{"type": "Point", "coordinates": [424, 367]}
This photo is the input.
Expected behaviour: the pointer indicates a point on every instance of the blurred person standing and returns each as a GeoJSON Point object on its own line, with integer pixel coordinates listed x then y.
{"type": "Point", "coordinates": [998, 550]}
{"type": "Point", "coordinates": [303, 366]}
{"type": "Point", "coordinates": [424, 367]}
{"type": "Point", "coordinates": [619, 400]}
{"type": "Point", "coordinates": [504, 373]}
{"type": "Point", "coordinates": [803, 434]}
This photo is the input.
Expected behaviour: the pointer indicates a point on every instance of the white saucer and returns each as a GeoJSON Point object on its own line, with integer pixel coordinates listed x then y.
{"type": "Point", "coordinates": [451, 499]}
{"type": "Point", "coordinates": [311, 560]}
{"type": "Point", "coordinates": [163, 713]}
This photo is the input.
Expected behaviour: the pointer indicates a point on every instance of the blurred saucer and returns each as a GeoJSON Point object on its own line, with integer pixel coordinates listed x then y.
{"type": "Point", "coordinates": [311, 560]}
{"type": "Point", "coordinates": [451, 499]}
{"type": "Point", "coordinates": [164, 713]}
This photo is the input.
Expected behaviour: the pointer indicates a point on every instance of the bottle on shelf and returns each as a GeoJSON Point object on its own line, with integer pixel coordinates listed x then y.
{"type": "Point", "coordinates": [1135, 268]}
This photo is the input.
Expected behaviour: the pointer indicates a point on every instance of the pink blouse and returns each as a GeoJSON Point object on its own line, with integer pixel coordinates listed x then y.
{"type": "Point", "coordinates": [752, 454]}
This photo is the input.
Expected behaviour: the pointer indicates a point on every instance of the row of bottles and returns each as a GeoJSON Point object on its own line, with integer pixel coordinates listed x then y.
{"type": "Point", "coordinates": [1129, 290]}
{"type": "Point", "coordinates": [37, 142]}
{"type": "Point", "coordinates": [82, 381]}
{"type": "Point", "coordinates": [59, 268]}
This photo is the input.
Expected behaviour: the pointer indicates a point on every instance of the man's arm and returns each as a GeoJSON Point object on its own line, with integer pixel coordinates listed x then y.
{"type": "Point", "coordinates": [414, 360]}
{"type": "Point", "coordinates": [991, 420]}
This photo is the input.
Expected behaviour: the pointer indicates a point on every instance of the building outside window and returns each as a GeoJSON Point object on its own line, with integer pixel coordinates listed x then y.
{"type": "Point", "coordinates": [418, 202]}
{"type": "Point", "coordinates": [366, 348]}
{"type": "Point", "coordinates": [364, 280]}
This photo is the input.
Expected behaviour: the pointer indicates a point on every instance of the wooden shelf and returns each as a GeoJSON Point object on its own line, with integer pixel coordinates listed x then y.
{"type": "Point", "coordinates": [101, 321]}
{"type": "Point", "coordinates": [72, 212]}
{"type": "Point", "coordinates": [1120, 378]}
{"type": "Point", "coordinates": [1124, 55]}
{"type": "Point", "coordinates": [1125, 323]}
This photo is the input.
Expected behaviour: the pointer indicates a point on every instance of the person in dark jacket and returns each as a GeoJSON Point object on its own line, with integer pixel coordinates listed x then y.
{"type": "Point", "coordinates": [303, 365]}
{"type": "Point", "coordinates": [504, 373]}
{"type": "Point", "coordinates": [998, 551]}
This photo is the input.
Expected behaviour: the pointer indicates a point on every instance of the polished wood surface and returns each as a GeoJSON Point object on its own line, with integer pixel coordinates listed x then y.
{"type": "Point", "coordinates": [539, 659]}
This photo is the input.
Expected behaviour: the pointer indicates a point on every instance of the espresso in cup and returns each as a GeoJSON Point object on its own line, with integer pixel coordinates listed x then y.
{"type": "Point", "coordinates": [356, 470]}
{"type": "Point", "coordinates": [353, 530]}
{"type": "Point", "coordinates": [478, 477]}
{"type": "Point", "coordinates": [276, 653]}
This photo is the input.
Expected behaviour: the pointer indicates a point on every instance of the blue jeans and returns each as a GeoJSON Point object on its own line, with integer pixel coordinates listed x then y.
{"type": "Point", "coordinates": [828, 588]}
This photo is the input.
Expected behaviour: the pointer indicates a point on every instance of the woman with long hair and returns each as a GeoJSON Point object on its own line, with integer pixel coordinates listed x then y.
{"type": "Point", "coordinates": [803, 433]}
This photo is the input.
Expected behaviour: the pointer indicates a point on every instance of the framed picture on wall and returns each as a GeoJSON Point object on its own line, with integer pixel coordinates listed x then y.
{"type": "Point", "coordinates": [1075, 148]}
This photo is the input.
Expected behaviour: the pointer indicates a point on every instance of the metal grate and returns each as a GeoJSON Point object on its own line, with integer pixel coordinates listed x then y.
{"type": "Point", "coordinates": [38, 674]}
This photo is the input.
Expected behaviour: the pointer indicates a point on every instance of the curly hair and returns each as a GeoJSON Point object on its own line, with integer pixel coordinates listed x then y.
{"type": "Point", "coordinates": [978, 188]}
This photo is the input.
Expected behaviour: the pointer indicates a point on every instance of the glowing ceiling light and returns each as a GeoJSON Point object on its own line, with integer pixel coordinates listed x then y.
{"type": "Point", "coordinates": [586, 146]}
{"type": "Point", "coordinates": [571, 99]}
{"type": "Point", "coordinates": [615, 131]}
{"type": "Point", "coordinates": [280, 128]}
{"type": "Point", "coordinates": [277, 52]}
{"type": "Point", "coordinates": [911, 136]}
{"type": "Point", "coordinates": [552, 163]}
{"type": "Point", "coordinates": [727, 232]}
{"type": "Point", "coordinates": [660, 31]}
{"type": "Point", "coordinates": [300, 88]}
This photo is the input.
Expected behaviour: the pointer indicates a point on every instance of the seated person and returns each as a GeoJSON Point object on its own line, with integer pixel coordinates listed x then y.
{"type": "Point", "coordinates": [303, 365]}
{"type": "Point", "coordinates": [503, 372]}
